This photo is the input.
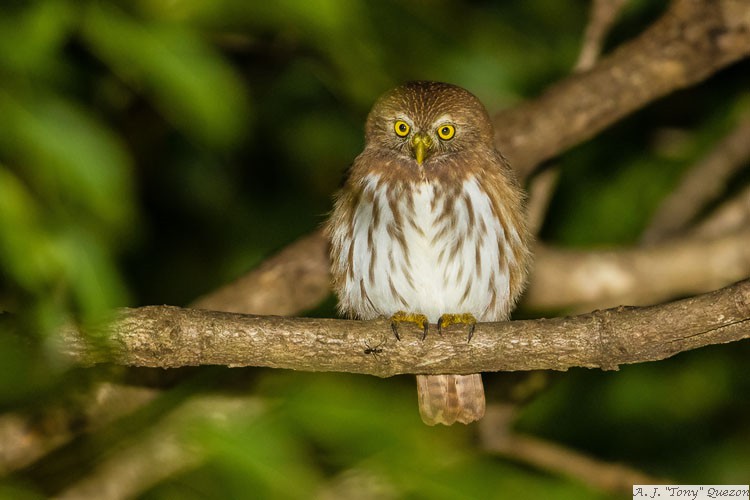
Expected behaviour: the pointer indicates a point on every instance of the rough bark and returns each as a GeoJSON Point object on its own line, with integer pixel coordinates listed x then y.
{"type": "Point", "coordinates": [690, 42]}
{"type": "Point", "coordinates": [163, 336]}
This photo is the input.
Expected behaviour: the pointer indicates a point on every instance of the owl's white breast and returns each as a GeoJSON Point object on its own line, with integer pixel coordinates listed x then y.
{"type": "Point", "coordinates": [426, 252]}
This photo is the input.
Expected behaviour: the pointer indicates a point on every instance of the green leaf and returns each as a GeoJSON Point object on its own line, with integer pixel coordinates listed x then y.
{"type": "Point", "coordinates": [43, 257]}
{"type": "Point", "coordinates": [73, 161]}
{"type": "Point", "coordinates": [187, 79]}
{"type": "Point", "coordinates": [24, 249]}
{"type": "Point", "coordinates": [31, 37]}
{"type": "Point", "coordinates": [262, 456]}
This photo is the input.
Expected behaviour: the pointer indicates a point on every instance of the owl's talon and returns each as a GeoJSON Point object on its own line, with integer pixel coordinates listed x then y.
{"type": "Point", "coordinates": [471, 331]}
{"type": "Point", "coordinates": [394, 327]}
{"type": "Point", "coordinates": [404, 317]}
{"type": "Point", "coordinates": [458, 319]}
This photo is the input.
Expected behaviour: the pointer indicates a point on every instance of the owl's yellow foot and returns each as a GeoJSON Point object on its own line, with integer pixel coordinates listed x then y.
{"type": "Point", "coordinates": [403, 317]}
{"type": "Point", "coordinates": [458, 319]}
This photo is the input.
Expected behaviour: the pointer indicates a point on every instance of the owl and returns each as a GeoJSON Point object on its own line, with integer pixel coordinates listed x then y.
{"type": "Point", "coordinates": [430, 228]}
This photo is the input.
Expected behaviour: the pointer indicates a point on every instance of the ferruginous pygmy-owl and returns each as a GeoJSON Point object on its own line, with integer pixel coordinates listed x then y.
{"type": "Point", "coordinates": [430, 227]}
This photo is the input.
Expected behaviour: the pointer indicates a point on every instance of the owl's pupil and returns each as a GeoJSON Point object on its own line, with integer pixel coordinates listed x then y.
{"type": "Point", "coordinates": [446, 131]}
{"type": "Point", "coordinates": [402, 128]}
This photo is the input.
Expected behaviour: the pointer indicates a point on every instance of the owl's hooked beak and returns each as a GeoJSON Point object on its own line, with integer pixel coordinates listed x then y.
{"type": "Point", "coordinates": [420, 144]}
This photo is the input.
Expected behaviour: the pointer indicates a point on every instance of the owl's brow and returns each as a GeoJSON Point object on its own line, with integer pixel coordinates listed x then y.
{"type": "Point", "coordinates": [445, 118]}
{"type": "Point", "coordinates": [402, 116]}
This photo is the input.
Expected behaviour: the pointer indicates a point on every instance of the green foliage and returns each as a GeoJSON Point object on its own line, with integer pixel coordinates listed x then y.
{"type": "Point", "coordinates": [185, 77]}
{"type": "Point", "coordinates": [665, 417]}
{"type": "Point", "coordinates": [151, 150]}
{"type": "Point", "coordinates": [319, 426]}
{"type": "Point", "coordinates": [625, 173]}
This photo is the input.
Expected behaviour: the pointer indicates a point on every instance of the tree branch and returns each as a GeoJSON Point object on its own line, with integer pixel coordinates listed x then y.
{"type": "Point", "coordinates": [541, 189]}
{"type": "Point", "coordinates": [164, 336]}
{"type": "Point", "coordinates": [294, 280]}
{"type": "Point", "coordinates": [27, 437]}
{"type": "Point", "coordinates": [702, 183]}
{"type": "Point", "coordinates": [560, 278]}
{"type": "Point", "coordinates": [585, 279]}
{"type": "Point", "coordinates": [129, 470]}
{"type": "Point", "coordinates": [602, 16]}
{"type": "Point", "coordinates": [690, 42]}
{"type": "Point", "coordinates": [731, 215]}
{"type": "Point", "coordinates": [549, 456]}
{"type": "Point", "coordinates": [541, 186]}
{"type": "Point", "coordinates": [496, 435]}
{"type": "Point", "coordinates": [700, 37]}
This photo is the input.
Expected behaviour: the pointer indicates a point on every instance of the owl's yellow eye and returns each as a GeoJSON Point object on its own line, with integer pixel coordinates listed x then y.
{"type": "Point", "coordinates": [446, 132]}
{"type": "Point", "coordinates": [402, 128]}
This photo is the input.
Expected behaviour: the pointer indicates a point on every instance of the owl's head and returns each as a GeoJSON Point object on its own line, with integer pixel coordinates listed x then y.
{"type": "Point", "coordinates": [424, 120]}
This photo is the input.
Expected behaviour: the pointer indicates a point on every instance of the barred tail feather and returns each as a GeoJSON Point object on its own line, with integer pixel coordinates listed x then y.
{"type": "Point", "coordinates": [447, 399]}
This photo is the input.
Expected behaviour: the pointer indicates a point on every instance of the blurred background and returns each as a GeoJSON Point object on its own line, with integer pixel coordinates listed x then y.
{"type": "Point", "coordinates": [152, 151]}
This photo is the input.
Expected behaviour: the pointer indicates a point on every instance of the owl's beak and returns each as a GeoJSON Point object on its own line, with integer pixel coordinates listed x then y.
{"type": "Point", "coordinates": [420, 144]}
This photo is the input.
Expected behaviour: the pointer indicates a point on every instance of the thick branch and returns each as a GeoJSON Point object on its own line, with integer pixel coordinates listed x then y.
{"type": "Point", "coordinates": [605, 278]}
{"type": "Point", "coordinates": [560, 279]}
{"type": "Point", "coordinates": [163, 336]}
{"type": "Point", "coordinates": [690, 42]}
{"type": "Point", "coordinates": [297, 279]}
{"type": "Point", "coordinates": [292, 281]}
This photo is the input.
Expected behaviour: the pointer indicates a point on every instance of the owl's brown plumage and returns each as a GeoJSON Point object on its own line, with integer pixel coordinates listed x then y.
{"type": "Point", "coordinates": [430, 222]}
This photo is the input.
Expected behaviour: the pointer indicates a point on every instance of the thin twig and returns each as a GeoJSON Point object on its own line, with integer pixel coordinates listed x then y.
{"type": "Point", "coordinates": [27, 437]}
{"type": "Point", "coordinates": [602, 16]}
{"type": "Point", "coordinates": [542, 185]}
{"type": "Point", "coordinates": [706, 180]}
{"type": "Point", "coordinates": [732, 215]}
{"type": "Point", "coordinates": [495, 437]}
{"type": "Point", "coordinates": [163, 451]}
{"type": "Point", "coordinates": [666, 57]}
{"type": "Point", "coordinates": [541, 188]}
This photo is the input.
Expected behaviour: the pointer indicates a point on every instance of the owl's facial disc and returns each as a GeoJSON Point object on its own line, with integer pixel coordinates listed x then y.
{"type": "Point", "coordinates": [420, 145]}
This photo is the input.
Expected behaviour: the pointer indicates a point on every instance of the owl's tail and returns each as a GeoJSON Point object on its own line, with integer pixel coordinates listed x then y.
{"type": "Point", "coordinates": [447, 399]}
